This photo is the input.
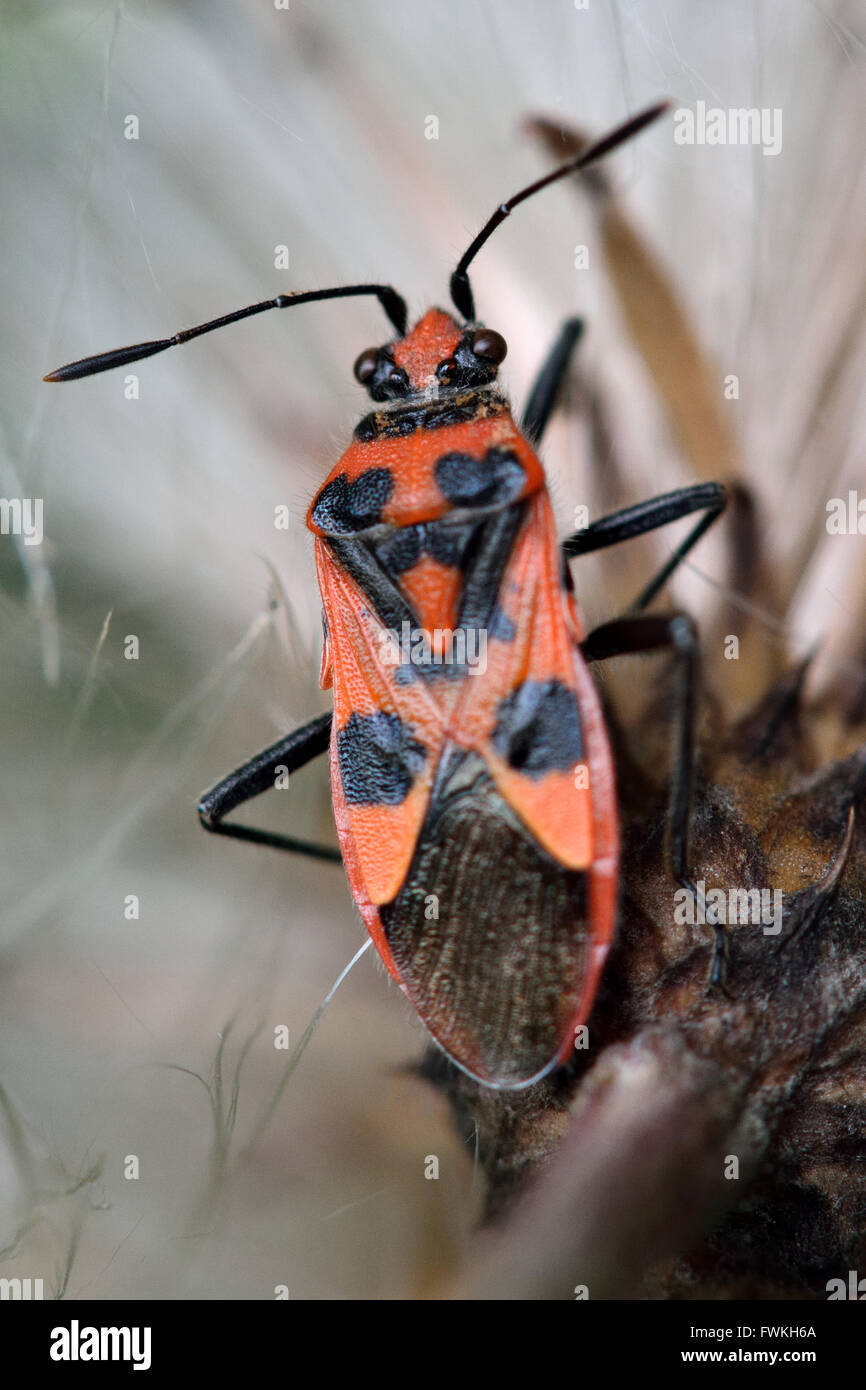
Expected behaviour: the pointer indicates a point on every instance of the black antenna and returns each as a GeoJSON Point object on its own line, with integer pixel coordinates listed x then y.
{"type": "Point", "coordinates": [461, 292]}
{"type": "Point", "coordinates": [393, 304]}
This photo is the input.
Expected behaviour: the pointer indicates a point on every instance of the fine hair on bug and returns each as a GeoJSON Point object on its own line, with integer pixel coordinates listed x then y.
{"type": "Point", "coordinates": [478, 818]}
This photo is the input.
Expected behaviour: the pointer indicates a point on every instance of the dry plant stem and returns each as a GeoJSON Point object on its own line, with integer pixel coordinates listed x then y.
{"type": "Point", "coordinates": [633, 1181]}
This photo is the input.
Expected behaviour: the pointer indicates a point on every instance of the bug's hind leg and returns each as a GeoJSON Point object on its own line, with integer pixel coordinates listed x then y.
{"type": "Point", "coordinates": [646, 633]}
{"type": "Point", "coordinates": [259, 775]}
{"type": "Point", "coordinates": [548, 383]}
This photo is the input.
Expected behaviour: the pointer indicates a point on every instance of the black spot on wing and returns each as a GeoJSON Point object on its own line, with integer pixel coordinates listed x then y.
{"type": "Point", "coordinates": [491, 481]}
{"type": "Point", "coordinates": [344, 507]}
{"type": "Point", "coordinates": [501, 628]}
{"type": "Point", "coordinates": [448, 543]}
{"type": "Point", "coordinates": [400, 549]}
{"type": "Point", "coordinates": [379, 759]}
{"type": "Point", "coordinates": [538, 728]}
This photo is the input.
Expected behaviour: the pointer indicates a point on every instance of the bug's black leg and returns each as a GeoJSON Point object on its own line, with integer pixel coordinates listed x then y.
{"type": "Point", "coordinates": [710, 498]}
{"type": "Point", "coordinates": [257, 776]}
{"type": "Point", "coordinates": [548, 383]}
{"type": "Point", "coordinates": [646, 633]}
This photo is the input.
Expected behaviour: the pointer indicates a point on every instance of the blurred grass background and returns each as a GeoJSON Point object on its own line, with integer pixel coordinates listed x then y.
{"type": "Point", "coordinates": [305, 127]}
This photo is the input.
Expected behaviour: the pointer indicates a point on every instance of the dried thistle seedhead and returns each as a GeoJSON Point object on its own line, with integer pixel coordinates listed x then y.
{"type": "Point", "coordinates": [756, 1093]}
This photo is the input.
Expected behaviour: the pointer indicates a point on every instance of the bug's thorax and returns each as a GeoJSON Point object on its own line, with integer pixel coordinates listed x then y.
{"type": "Point", "coordinates": [442, 441]}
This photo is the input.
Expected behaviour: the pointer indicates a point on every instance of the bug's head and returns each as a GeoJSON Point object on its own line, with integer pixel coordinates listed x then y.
{"type": "Point", "coordinates": [438, 354]}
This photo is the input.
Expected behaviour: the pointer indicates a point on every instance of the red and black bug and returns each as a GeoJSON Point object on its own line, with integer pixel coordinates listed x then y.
{"type": "Point", "coordinates": [475, 800]}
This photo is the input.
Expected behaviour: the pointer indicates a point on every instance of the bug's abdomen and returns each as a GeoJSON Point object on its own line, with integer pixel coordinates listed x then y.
{"type": "Point", "coordinates": [488, 932]}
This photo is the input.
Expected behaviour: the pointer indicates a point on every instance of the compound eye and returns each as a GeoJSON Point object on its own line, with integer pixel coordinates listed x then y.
{"type": "Point", "coordinates": [395, 376]}
{"type": "Point", "coordinates": [366, 365]}
{"type": "Point", "coordinates": [489, 345]}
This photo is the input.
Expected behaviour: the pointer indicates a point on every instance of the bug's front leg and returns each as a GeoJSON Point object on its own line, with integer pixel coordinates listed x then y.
{"type": "Point", "coordinates": [292, 752]}
{"type": "Point", "coordinates": [548, 384]}
{"type": "Point", "coordinates": [709, 498]}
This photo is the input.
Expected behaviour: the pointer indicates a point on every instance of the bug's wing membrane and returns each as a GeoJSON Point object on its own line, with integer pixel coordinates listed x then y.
{"type": "Point", "coordinates": [386, 742]}
{"type": "Point", "coordinates": [490, 937]}
{"type": "Point", "coordinates": [523, 715]}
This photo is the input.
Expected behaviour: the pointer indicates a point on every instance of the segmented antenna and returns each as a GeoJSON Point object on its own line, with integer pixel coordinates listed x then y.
{"type": "Point", "coordinates": [393, 304]}
{"type": "Point", "coordinates": [461, 291]}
